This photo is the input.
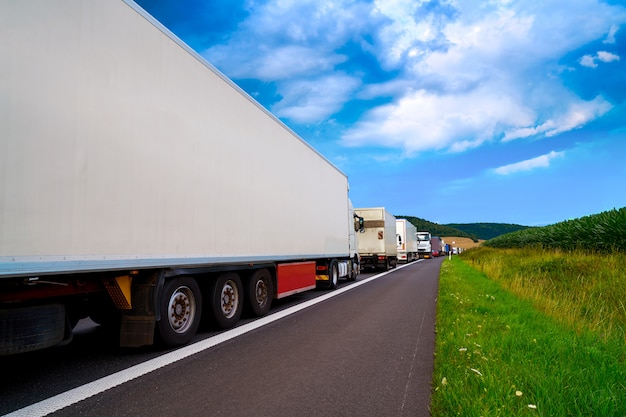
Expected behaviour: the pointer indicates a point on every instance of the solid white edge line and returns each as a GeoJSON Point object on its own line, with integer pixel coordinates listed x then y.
{"type": "Point", "coordinates": [98, 386]}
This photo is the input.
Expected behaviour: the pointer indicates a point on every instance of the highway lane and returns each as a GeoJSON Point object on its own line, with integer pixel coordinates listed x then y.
{"type": "Point", "coordinates": [367, 351]}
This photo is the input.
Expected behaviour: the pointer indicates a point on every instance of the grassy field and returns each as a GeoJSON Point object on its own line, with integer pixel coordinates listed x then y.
{"type": "Point", "coordinates": [527, 332]}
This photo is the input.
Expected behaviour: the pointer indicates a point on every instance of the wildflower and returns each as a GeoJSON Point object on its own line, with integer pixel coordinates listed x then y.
{"type": "Point", "coordinates": [518, 393]}
{"type": "Point", "coordinates": [476, 371]}
{"type": "Point", "coordinates": [463, 349]}
{"type": "Point", "coordinates": [444, 381]}
{"type": "Point", "coordinates": [533, 406]}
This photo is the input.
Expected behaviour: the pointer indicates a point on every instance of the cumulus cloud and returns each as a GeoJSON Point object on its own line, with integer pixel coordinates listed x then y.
{"type": "Point", "coordinates": [424, 120]}
{"type": "Point", "coordinates": [542, 161]}
{"type": "Point", "coordinates": [484, 83]}
{"type": "Point", "coordinates": [590, 60]}
{"type": "Point", "coordinates": [441, 75]}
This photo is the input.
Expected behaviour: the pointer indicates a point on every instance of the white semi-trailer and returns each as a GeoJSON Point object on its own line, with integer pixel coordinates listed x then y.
{"type": "Point", "coordinates": [407, 241]}
{"type": "Point", "coordinates": [140, 186]}
{"type": "Point", "coordinates": [377, 242]}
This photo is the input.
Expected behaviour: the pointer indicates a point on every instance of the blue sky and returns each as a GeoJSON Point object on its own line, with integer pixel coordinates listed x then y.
{"type": "Point", "coordinates": [454, 111]}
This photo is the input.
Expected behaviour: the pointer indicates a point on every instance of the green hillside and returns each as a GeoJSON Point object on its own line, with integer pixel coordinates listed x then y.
{"type": "Point", "coordinates": [437, 229]}
{"type": "Point", "coordinates": [487, 231]}
{"type": "Point", "coordinates": [474, 231]}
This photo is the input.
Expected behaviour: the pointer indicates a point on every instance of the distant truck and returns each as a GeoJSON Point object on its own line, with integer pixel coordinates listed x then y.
{"type": "Point", "coordinates": [407, 241]}
{"type": "Point", "coordinates": [436, 246]}
{"type": "Point", "coordinates": [141, 187]}
{"type": "Point", "coordinates": [424, 249]}
{"type": "Point", "coordinates": [377, 242]}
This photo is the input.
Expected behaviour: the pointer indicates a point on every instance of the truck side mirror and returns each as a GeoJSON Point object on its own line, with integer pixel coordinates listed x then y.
{"type": "Point", "coordinates": [359, 224]}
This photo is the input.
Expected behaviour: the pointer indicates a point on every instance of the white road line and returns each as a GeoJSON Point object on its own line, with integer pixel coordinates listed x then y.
{"type": "Point", "coordinates": [83, 392]}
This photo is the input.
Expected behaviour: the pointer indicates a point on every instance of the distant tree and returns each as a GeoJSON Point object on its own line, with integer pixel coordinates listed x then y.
{"type": "Point", "coordinates": [436, 229]}
{"type": "Point", "coordinates": [487, 231]}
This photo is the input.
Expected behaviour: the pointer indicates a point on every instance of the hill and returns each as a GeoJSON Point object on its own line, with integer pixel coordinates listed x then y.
{"type": "Point", "coordinates": [473, 231]}
{"type": "Point", "coordinates": [487, 231]}
{"type": "Point", "coordinates": [437, 229]}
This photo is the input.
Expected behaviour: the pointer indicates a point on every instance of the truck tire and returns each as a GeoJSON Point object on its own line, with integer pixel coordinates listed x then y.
{"type": "Point", "coordinates": [333, 274]}
{"type": "Point", "coordinates": [259, 292]}
{"type": "Point", "coordinates": [227, 300]}
{"type": "Point", "coordinates": [181, 309]}
{"type": "Point", "coordinates": [31, 328]}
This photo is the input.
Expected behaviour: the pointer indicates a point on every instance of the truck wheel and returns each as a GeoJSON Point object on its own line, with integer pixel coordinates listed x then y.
{"type": "Point", "coordinates": [31, 328]}
{"type": "Point", "coordinates": [260, 292]}
{"type": "Point", "coordinates": [226, 300]}
{"type": "Point", "coordinates": [181, 309]}
{"type": "Point", "coordinates": [333, 274]}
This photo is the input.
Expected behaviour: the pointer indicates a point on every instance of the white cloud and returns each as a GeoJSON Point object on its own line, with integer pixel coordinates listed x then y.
{"type": "Point", "coordinates": [405, 30]}
{"type": "Point", "coordinates": [542, 161]}
{"type": "Point", "coordinates": [308, 101]}
{"type": "Point", "coordinates": [464, 73]}
{"type": "Point", "coordinates": [423, 121]}
{"type": "Point", "coordinates": [590, 60]}
{"type": "Point", "coordinates": [491, 79]}
{"type": "Point", "coordinates": [607, 56]}
{"type": "Point", "coordinates": [577, 114]}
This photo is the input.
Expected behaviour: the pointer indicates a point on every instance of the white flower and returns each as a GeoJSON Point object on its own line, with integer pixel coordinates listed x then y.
{"type": "Point", "coordinates": [463, 349]}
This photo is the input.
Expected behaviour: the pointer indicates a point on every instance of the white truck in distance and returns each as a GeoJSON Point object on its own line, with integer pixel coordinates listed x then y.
{"type": "Point", "coordinates": [140, 186]}
{"type": "Point", "coordinates": [424, 248]}
{"type": "Point", "coordinates": [407, 240]}
{"type": "Point", "coordinates": [377, 242]}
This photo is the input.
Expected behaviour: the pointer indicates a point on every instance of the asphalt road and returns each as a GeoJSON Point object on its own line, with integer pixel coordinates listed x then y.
{"type": "Point", "coordinates": [366, 352]}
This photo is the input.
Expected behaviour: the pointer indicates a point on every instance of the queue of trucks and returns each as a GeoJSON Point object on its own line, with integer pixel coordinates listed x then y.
{"type": "Point", "coordinates": [145, 190]}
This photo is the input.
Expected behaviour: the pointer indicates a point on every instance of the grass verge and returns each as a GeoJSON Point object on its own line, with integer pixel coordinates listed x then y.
{"type": "Point", "coordinates": [496, 355]}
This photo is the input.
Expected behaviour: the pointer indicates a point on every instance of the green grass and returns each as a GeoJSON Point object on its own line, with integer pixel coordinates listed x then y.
{"type": "Point", "coordinates": [584, 291]}
{"type": "Point", "coordinates": [497, 354]}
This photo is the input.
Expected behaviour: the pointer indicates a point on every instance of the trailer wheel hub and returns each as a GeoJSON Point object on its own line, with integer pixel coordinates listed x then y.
{"type": "Point", "coordinates": [181, 309]}
{"type": "Point", "coordinates": [230, 299]}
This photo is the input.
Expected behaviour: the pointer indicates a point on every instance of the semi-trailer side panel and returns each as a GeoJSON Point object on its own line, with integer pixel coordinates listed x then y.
{"type": "Point", "coordinates": [122, 145]}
